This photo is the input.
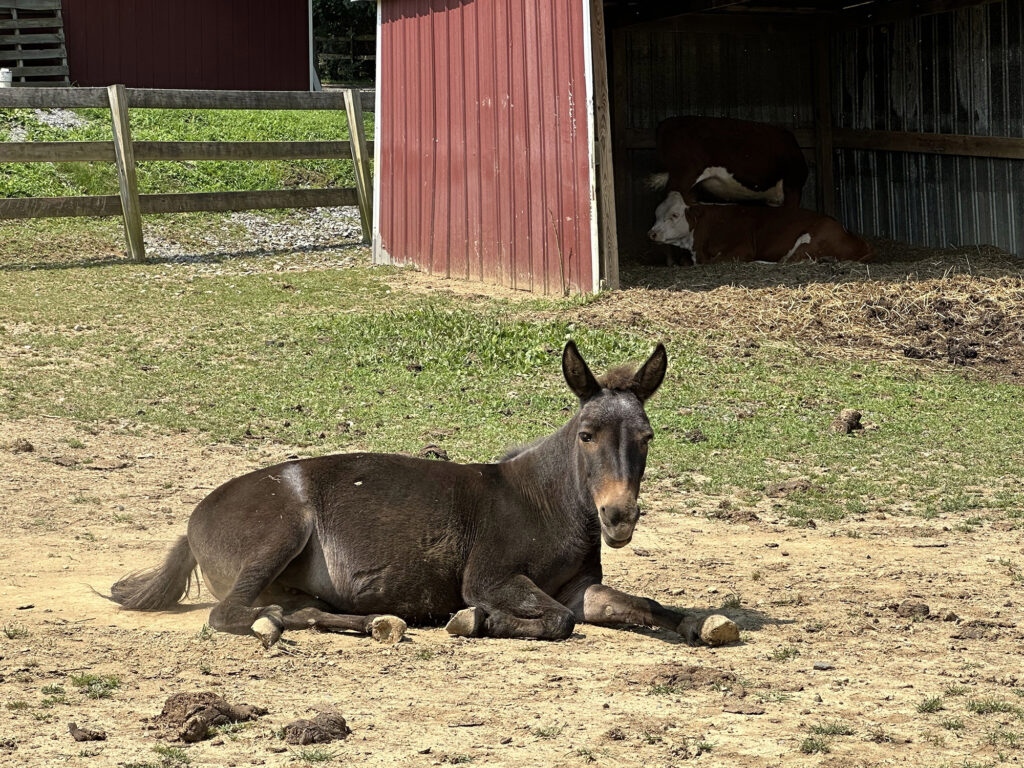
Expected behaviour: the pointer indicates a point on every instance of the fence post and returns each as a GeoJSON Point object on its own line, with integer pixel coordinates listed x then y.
{"type": "Point", "coordinates": [124, 155]}
{"type": "Point", "coordinates": [361, 160]}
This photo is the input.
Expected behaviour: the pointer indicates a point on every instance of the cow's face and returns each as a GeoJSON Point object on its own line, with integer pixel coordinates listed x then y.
{"type": "Point", "coordinates": [670, 223]}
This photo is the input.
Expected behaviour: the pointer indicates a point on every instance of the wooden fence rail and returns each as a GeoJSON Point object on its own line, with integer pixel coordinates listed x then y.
{"type": "Point", "coordinates": [125, 152]}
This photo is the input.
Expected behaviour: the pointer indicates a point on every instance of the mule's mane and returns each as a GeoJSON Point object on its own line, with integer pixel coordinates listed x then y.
{"type": "Point", "coordinates": [622, 378]}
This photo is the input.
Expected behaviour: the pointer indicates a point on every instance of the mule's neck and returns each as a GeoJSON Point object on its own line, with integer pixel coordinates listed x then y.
{"type": "Point", "coordinates": [549, 474]}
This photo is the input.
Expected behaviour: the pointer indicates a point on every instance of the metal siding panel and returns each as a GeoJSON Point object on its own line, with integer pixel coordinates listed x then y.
{"type": "Point", "coordinates": [957, 72]}
{"type": "Point", "coordinates": [485, 155]}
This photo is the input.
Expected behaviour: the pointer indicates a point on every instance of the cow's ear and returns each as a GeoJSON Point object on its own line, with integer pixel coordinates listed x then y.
{"type": "Point", "coordinates": [650, 375]}
{"type": "Point", "coordinates": [577, 374]}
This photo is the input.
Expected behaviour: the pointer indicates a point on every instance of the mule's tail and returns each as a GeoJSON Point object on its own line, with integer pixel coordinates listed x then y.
{"type": "Point", "coordinates": [656, 181]}
{"type": "Point", "coordinates": [158, 589]}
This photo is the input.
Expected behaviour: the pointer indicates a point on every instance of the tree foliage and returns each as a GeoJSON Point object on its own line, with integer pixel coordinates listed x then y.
{"type": "Point", "coordinates": [342, 21]}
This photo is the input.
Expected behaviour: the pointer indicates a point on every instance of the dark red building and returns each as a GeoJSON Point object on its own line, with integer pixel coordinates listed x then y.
{"type": "Point", "coordinates": [209, 44]}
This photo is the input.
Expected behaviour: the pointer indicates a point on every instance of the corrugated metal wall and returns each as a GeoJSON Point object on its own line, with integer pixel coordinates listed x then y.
{"type": "Point", "coordinates": [484, 162]}
{"type": "Point", "coordinates": [216, 44]}
{"type": "Point", "coordinates": [700, 67]}
{"type": "Point", "coordinates": [958, 72]}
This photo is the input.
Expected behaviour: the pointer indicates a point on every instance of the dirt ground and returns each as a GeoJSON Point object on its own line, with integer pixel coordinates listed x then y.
{"type": "Point", "coordinates": [822, 641]}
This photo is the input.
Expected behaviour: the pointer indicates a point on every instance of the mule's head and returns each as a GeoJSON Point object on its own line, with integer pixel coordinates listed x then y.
{"type": "Point", "coordinates": [612, 436]}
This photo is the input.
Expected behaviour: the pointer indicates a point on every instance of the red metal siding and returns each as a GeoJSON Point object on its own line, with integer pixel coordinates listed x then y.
{"type": "Point", "coordinates": [484, 161]}
{"type": "Point", "coordinates": [215, 44]}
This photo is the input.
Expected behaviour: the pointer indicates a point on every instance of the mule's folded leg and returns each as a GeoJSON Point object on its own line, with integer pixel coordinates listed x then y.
{"type": "Point", "coordinates": [517, 607]}
{"type": "Point", "coordinates": [385, 629]}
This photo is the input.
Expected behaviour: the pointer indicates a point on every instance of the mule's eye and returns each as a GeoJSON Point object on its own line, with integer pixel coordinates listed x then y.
{"type": "Point", "coordinates": [586, 437]}
{"type": "Point", "coordinates": [645, 439]}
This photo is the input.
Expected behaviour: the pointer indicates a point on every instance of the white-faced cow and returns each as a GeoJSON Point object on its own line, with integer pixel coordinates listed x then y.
{"type": "Point", "coordinates": [722, 233]}
{"type": "Point", "coordinates": [721, 159]}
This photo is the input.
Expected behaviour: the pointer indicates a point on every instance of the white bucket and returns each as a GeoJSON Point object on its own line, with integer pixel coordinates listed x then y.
{"type": "Point", "coordinates": [6, 78]}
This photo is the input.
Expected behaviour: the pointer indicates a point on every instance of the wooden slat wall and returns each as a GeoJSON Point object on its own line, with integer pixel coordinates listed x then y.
{"type": "Point", "coordinates": [32, 42]}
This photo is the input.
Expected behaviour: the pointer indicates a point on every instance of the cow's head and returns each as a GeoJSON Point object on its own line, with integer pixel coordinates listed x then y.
{"type": "Point", "coordinates": [670, 223]}
{"type": "Point", "coordinates": [612, 433]}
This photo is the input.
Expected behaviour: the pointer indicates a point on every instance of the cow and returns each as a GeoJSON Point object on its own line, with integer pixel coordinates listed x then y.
{"type": "Point", "coordinates": [723, 233]}
{"type": "Point", "coordinates": [720, 159]}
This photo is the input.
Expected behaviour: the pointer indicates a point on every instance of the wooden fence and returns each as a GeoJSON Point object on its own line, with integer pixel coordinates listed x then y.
{"type": "Point", "coordinates": [126, 153]}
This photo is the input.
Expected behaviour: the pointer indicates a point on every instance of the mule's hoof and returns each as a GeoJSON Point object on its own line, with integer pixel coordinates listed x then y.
{"type": "Point", "coordinates": [266, 630]}
{"type": "Point", "coordinates": [469, 622]}
{"type": "Point", "coordinates": [719, 630]}
{"type": "Point", "coordinates": [387, 629]}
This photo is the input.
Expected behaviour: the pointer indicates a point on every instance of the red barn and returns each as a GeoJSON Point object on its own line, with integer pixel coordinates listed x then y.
{"type": "Point", "coordinates": [208, 44]}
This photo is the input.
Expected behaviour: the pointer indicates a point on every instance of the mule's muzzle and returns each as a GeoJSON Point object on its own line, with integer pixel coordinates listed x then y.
{"type": "Point", "coordinates": [617, 526]}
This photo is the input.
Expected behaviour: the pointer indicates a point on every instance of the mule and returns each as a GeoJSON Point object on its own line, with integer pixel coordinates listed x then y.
{"type": "Point", "coordinates": [367, 542]}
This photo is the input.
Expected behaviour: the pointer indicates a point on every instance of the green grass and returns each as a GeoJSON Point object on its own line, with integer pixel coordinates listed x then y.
{"type": "Point", "coordinates": [63, 179]}
{"type": "Point", "coordinates": [15, 631]}
{"type": "Point", "coordinates": [815, 745]}
{"type": "Point", "coordinates": [335, 360]}
{"type": "Point", "coordinates": [313, 755]}
{"type": "Point", "coordinates": [96, 686]}
{"type": "Point", "coordinates": [831, 728]}
{"type": "Point", "coordinates": [547, 731]}
{"type": "Point", "coordinates": [931, 704]}
{"type": "Point", "coordinates": [988, 706]}
{"type": "Point", "coordinates": [784, 654]}
{"type": "Point", "coordinates": [171, 757]}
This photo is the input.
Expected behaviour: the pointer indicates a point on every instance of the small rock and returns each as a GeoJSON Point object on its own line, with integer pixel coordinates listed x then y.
{"type": "Point", "coordinates": [911, 608]}
{"type": "Point", "coordinates": [641, 552]}
{"type": "Point", "coordinates": [847, 421]}
{"type": "Point", "coordinates": [743, 708]}
{"type": "Point", "coordinates": [772, 545]}
{"type": "Point", "coordinates": [616, 734]}
{"type": "Point", "coordinates": [506, 740]}
{"type": "Point", "coordinates": [277, 750]}
{"type": "Point", "coordinates": [86, 734]}
{"type": "Point", "coordinates": [949, 616]}
{"type": "Point", "coordinates": [434, 452]}
{"type": "Point", "coordinates": [719, 630]}
{"type": "Point", "coordinates": [107, 465]}
{"type": "Point", "coordinates": [823, 666]}
{"type": "Point", "coordinates": [21, 445]}
{"type": "Point", "coordinates": [817, 698]}
{"type": "Point", "coordinates": [324, 728]}
{"type": "Point", "coordinates": [65, 461]}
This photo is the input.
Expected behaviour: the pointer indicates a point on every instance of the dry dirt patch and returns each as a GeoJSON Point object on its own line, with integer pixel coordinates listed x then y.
{"type": "Point", "coordinates": [823, 640]}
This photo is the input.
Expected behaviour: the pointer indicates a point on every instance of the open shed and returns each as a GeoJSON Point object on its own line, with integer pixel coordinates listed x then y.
{"type": "Point", "coordinates": [513, 138]}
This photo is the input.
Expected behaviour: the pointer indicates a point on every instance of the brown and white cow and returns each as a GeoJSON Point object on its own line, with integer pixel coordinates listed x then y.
{"type": "Point", "coordinates": [721, 233]}
{"type": "Point", "coordinates": [721, 159]}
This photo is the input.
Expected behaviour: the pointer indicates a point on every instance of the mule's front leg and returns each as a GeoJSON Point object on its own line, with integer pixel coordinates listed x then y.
{"type": "Point", "coordinates": [601, 604]}
{"type": "Point", "coordinates": [517, 607]}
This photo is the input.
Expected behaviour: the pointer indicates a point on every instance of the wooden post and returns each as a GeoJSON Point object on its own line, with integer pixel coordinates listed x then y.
{"type": "Point", "coordinates": [361, 161]}
{"type": "Point", "coordinates": [124, 156]}
{"type": "Point", "coordinates": [608, 232]}
{"type": "Point", "coordinates": [823, 149]}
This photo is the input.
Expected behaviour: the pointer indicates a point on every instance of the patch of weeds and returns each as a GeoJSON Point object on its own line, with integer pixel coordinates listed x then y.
{"type": "Point", "coordinates": [51, 701]}
{"type": "Point", "coordinates": [15, 631]}
{"type": "Point", "coordinates": [650, 737]}
{"type": "Point", "coordinates": [43, 717]}
{"type": "Point", "coordinates": [122, 517]}
{"type": "Point", "coordinates": [955, 690]}
{"type": "Point", "coordinates": [990, 706]}
{"type": "Point", "coordinates": [1016, 575]}
{"type": "Point", "coordinates": [89, 752]}
{"type": "Point", "coordinates": [953, 724]}
{"type": "Point", "coordinates": [456, 759]}
{"type": "Point", "coordinates": [702, 747]}
{"type": "Point", "coordinates": [52, 689]}
{"type": "Point", "coordinates": [424, 654]}
{"type": "Point", "coordinates": [815, 745]}
{"type": "Point", "coordinates": [547, 731]}
{"type": "Point", "coordinates": [755, 576]}
{"type": "Point", "coordinates": [969, 525]}
{"type": "Point", "coordinates": [879, 736]}
{"type": "Point", "coordinates": [586, 755]}
{"type": "Point", "coordinates": [87, 536]}
{"type": "Point", "coordinates": [930, 705]}
{"type": "Point", "coordinates": [935, 739]}
{"type": "Point", "coordinates": [1003, 736]}
{"type": "Point", "coordinates": [784, 654]}
{"type": "Point", "coordinates": [732, 601]}
{"type": "Point", "coordinates": [73, 442]}
{"type": "Point", "coordinates": [96, 686]}
{"type": "Point", "coordinates": [171, 756]}
{"type": "Point", "coordinates": [205, 668]}
{"type": "Point", "coordinates": [17, 705]}
{"type": "Point", "coordinates": [206, 633]}
{"type": "Point", "coordinates": [834, 728]}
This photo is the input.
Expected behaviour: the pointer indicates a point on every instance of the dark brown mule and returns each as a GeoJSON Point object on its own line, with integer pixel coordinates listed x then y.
{"type": "Point", "coordinates": [350, 542]}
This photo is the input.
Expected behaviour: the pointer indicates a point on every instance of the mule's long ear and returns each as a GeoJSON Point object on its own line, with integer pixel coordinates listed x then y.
{"type": "Point", "coordinates": [577, 374]}
{"type": "Point", "coordinates": [650, 375]}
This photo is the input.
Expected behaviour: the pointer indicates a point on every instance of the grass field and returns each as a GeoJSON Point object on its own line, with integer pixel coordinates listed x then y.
{"type": "Point", "coordinates": [346, 359]}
